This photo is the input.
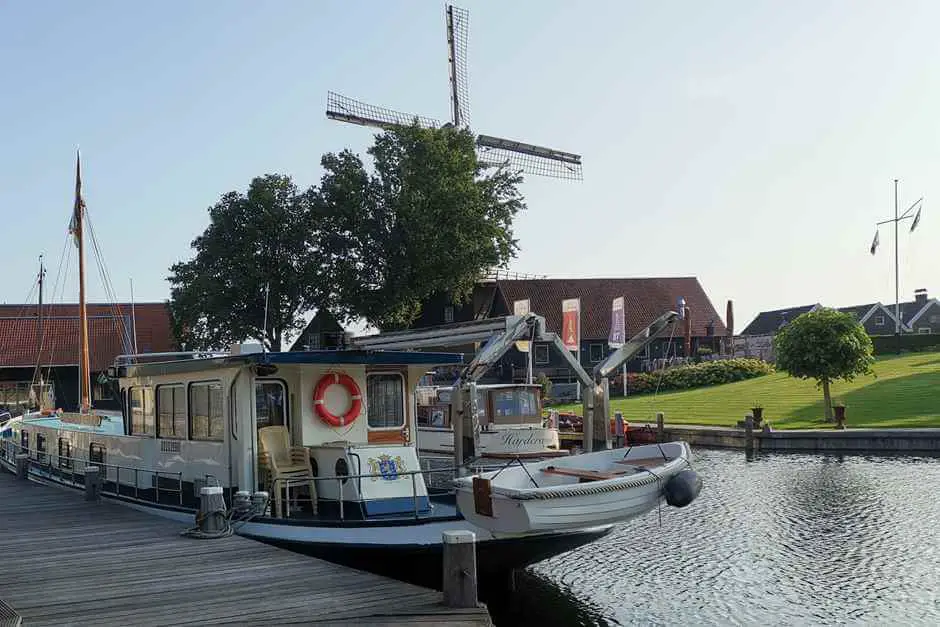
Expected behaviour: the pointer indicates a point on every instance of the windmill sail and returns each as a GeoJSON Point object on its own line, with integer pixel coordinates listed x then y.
{"type": "Point", "coordinates": [528, 158]}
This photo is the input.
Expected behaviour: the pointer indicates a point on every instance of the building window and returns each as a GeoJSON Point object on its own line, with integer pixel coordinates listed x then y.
{"type": "Point", "coordinates": [205, 412]}
{"type": "Point", "coordinates": [270, 409]}
{"type": "Point", "coordinates": [923, 330]}
{"type": "Point", "coordinates": [879, 321]}
{"type": "Point", "coordinates": [934, 318]}
{"type": "Point", "coordinates": [541, 354]}
{"type": "Point", "coordinates": [448, 313]}
{"type": "Point", "coordinates": [597, 352]}
{"type": "Point", "coordinates": [171, 412]}
{"type": "Point", "coordinates": [385, 398]}
{"type": "Point", "coordinates": [65, 453]}
{"type": "Point", "coordinates": [142, 416]}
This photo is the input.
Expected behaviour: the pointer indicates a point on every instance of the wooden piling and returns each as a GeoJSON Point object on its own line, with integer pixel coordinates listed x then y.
{"type": "Point", "coordinates": [22, 465]}
{"type": "Point", "coordinates": [92, 484]}
{"type": "Point", "coordinates": [618, 429]}
{"type": "Point", "coordinates": [460, 569]}
{"type": "Point", "coordinates": [660, 426]}
{"type": "Point", "coordinates": [749, 432]}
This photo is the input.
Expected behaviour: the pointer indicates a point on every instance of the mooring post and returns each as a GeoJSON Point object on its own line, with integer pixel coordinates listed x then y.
{"type": "Point", "coordinates": [460, 569]}
{"type": "Point", "coordinates": [22, 465]}
{"type": "Point", "coordinates": [749, 433]}
{"type": "Point", "coordinates": [660, 426]}
{"type": "Point", "coordinates": [92, 483]}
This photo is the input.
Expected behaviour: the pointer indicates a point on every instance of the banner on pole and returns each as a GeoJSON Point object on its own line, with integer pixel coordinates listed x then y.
{"type": "Point", "coordinates": [521, 308]}
{"type": "Point", "coordinates": [571, 324]}
{"type": "Point", "coordinates": [618, 324]}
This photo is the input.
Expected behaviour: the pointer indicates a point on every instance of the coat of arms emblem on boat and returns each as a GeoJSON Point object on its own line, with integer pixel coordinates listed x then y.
{"type": "Point", "coordinates": [387, 466]}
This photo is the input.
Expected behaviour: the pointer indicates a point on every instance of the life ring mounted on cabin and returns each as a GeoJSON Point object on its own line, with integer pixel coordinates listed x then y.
{"type": "Point", "coordinates": [355, 399]}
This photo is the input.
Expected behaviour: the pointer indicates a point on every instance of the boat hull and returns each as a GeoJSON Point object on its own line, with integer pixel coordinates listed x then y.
{"type": "Point", "coordinates": [587, 490]}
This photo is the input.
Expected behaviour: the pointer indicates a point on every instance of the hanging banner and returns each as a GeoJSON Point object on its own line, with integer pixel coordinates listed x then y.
{"type": "Point", "coordinates": [521, 308]}
{"type": "Point", "coordinates": [571, 324]}
{"type": "Point", "coordinates": [618, 324]}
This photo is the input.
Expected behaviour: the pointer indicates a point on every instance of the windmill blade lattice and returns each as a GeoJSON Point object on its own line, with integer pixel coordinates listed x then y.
{"type": "Point", "coordinates": [346, 109]}
{"type": "Point", "coordinates": [458, 28]}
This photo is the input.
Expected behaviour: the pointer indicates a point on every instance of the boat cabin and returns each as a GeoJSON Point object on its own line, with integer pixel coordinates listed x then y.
{"type": "Point", "coordinates": [331, 430]}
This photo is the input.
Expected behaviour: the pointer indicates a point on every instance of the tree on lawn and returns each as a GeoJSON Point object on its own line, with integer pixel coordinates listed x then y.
{"type": "Point", "coordinates": [825, 345]}
{"type": "Point", "coordinates": [429, 219]}
{"type": "Point", "coordinates": [255, 242]}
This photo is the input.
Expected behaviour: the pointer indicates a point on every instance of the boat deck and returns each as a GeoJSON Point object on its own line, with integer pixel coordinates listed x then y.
{"type": "Point", "coordinates": [68, 561]}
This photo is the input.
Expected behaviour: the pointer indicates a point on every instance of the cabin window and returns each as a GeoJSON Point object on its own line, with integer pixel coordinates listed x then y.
{"type": "Point", "coordinates": [65, 453]}
{"type": "Point", "coordinates": [385, 395]}
{"type": "Point", "coordinates": [270, 408]}
{"type": "Point", "coordinates": [541, 353]}
{"type": "Point", "coordinates": [102, 392]}
{"type": "Point", "coordinates": [142, 415]}
{"type": "Point", "coordinates": [435, 415]}
{"type": "Point", "coordinates": [40, 447]}
{"type": "Point", "coordinates": [95, 453]}
{"type": "Point", "coordinates": [516, 405]}
{"type": "Point", "coordinates": [205, 411]}
{"type": "Point", "coordinates": [597, 353]}
{"type": "Point", "coordinates": [171, 412]}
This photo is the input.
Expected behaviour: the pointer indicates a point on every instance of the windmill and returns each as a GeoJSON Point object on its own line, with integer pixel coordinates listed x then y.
{"type": "Point", "coordinates": [529, 158]}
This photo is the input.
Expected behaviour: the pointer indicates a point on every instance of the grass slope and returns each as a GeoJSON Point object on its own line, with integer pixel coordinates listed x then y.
{"type": "Point", "coordinates": [905, 392]}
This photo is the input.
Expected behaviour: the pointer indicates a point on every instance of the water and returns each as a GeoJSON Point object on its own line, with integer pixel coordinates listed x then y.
{"type": "Point", "coordinates": [780, 540]}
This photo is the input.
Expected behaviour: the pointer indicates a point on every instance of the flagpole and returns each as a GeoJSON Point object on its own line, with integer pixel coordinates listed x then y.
{"type": "Point", "coordinates": [897, 266]}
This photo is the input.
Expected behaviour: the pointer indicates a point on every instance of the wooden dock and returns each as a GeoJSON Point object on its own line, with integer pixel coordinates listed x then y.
{"type": "Point", "coordinates": [66, 561]}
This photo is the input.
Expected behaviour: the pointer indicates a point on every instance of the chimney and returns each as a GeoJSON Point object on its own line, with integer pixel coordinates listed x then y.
{"type": "Point", "coordinates": [920, 295]}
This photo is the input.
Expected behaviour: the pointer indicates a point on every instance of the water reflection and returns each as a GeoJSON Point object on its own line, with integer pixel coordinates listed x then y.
{"type": "Point", "coordinates": [781, 540]}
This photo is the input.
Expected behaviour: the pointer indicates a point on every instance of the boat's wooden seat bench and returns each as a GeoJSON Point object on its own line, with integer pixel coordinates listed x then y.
{"type": "Point", "coordinates": [584, 475]}
{"type": "Point", "coordinates": [649, 461]}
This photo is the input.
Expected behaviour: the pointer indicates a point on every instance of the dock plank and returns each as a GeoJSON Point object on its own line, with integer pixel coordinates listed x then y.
{"type": "Point", "coordinates": [67, 561]}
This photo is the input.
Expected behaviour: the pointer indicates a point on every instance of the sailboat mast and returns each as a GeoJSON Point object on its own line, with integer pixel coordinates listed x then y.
{"type": "Point", "coordinates": [39, 336]}
{"type": "Point", "coordinates": [84, 370]}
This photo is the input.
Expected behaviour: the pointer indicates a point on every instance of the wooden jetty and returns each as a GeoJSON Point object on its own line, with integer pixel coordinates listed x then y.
{"type": "Point", "coordinates": [67, 561]}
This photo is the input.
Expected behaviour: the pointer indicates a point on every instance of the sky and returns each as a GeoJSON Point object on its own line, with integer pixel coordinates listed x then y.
{"type": "Point", "coordinates": [752, 144]}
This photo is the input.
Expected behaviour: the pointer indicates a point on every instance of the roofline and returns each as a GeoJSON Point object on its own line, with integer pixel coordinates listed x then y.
{"type": "Point", "coordinates": [914, 318]}
{"type": "Point", "coordinates": [884, 308]}
{"type": "Point", "coordinates": [598, 278]}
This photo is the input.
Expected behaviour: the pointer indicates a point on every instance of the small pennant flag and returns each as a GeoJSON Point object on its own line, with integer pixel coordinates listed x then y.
{"type": "Point", "coordinates": [916, 219]}
{"type": "Point", "coordinates": [874, 243]}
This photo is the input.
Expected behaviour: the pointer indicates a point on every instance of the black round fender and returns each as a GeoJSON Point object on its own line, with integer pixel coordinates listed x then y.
{"type": "Point", "coordinates": [682, 488]}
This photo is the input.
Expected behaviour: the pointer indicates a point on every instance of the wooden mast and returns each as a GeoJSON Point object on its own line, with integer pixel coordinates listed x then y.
{"type": "Point", "coordinates": [78, 228]}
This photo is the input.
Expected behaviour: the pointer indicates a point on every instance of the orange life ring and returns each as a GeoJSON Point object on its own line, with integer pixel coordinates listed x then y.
{"type": "Point", "coordinates": [355, 395]}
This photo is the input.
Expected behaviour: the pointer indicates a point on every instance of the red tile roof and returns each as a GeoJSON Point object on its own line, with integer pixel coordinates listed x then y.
{"type": "Point", "coordinates": [107, 325]}
{"type": "Point", "coordinates": [645, 300]}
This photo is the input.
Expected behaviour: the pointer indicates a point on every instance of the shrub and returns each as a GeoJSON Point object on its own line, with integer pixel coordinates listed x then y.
{"type": "Point", "coordinates": [694, 375]}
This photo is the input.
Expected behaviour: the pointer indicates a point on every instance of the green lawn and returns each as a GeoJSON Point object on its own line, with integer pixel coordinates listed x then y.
{"type": "Point", "coordinates": [905, 392]}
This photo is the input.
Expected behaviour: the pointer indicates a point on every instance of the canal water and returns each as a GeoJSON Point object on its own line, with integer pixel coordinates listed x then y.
{"type": "Point", "coordinates": [781, 539]}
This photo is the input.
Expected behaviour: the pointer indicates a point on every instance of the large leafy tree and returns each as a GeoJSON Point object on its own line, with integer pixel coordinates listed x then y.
{"type": "Point", "coordinates": [824, 345]}
{"type": "Point", "coordinates": [256, 246]}
{"type": "Point", "coordinates": [429, 218]}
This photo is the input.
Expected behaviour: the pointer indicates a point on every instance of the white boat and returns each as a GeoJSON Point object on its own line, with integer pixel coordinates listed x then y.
{"type": "Point", "coordinates": [509, 417]}
{"type": "Point", "coordinates": [580, 491]}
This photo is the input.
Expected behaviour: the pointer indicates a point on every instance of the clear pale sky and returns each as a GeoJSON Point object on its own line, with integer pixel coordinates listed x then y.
{"type": "Point", "coordinates": [752, 144]}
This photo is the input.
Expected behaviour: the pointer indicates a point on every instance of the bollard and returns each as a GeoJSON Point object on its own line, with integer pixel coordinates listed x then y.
{"type": "Point", "coordinates": [22, 465]}
{"type": "Point", "coordinates": [92, 484]}
{"type": "Point", "coordinates": [660, 426]}
{"type": "Point", "coordinates": [460, 569]}
{"type": "Point", "coordinates": [749, 432]}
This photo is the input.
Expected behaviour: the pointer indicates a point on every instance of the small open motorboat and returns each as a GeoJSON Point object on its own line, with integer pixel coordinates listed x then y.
{"type": "Point", "coordinates": [584, 490]}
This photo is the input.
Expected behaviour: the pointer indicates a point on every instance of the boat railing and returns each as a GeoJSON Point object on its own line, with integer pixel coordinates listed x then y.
{"type": "Point", "coordinates": [294, 483]}
{"type": "Point", "coordinates": [67, 469]}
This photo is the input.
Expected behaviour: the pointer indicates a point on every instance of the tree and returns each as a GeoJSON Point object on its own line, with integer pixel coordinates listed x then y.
{"type": "Point", "coordinates": [255, 243]}
{"type": "Point", "coordinates": [430, 219]}
{"type": "Point", "coordinates": [825, 345]}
